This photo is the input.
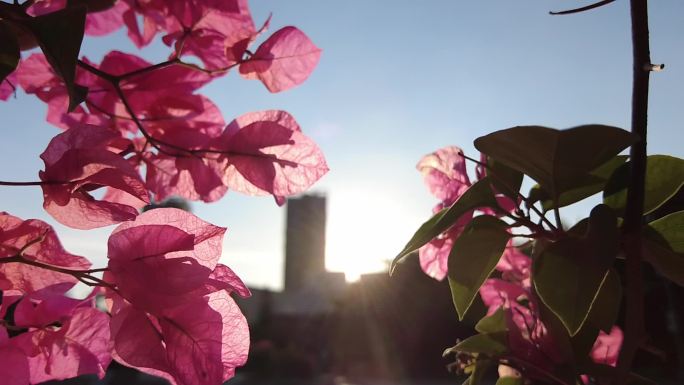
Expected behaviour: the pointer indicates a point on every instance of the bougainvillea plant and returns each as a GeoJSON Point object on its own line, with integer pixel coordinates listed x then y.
{"type": "Point", "coordinates": [132, 133]}
{"type": "Point", "coordinates": [552, 293]}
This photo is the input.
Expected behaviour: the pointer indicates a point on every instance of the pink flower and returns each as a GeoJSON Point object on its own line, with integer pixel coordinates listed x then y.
{"type": "Point", "coordinates": [62, 337]}
{"type": "Point", "coordinates": [35, 240]}
{"type": "Point", "coordinates": [78, 161]}
{"type": "Point", "coordinates": [267, 153]}
{"type": "Point", "coordinates": [171, 312]}
{"type": "Point", "coordinates": [284, 60]}
{"type": "Point", "coordinates": [606, 349]}
{"type": "Point", "coordinates": [444, 172]}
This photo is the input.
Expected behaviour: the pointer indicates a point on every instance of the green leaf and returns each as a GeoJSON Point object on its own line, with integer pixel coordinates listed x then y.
{"type": "Point", "coordinates": [664, 176]}
{"type": "Point", "coordinates": [558, 160]}
{"type": "Point", "coordinates": [602, 316]}
{"type": "Point", "coordinates": [9, 51]}
{"type": "Point", "coordinates": [491, 344]}
{"type": "Point", "coordinates": [493, 323]}
{"type": "Point", "coordinates": [479, 371]}
{"type": "Point", "coordinates": [664, 246]}
{"type": "Point", "coordinates": [671, 229]}
{"type": "Point", "coordinates": [666, 262]}
{"type": "Point", "coordinates": [59, 35]}
{"type": "Point", "coordinates": [504, 179]}
{"type": "Point", "coordinates": [569, 273]}
{"type": "Point", "coordinates": [594, 183]}
{"type": "Point", "coordinates": [473, 257]}
{"type": "Point", "coordinates": [478, 195]}
{"type": "Point", "coordinates": [510, 381]}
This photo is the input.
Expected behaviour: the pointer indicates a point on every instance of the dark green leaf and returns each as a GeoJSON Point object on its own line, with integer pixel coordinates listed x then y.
{"type": "Point", "coordinates": [479, 371]}
{"type": "Point", "coordinates": [664, 176]}
{"type": "Point", "coordinates": [478, 195]}
{"type": "Point", "coordinates": [493, 323]}
{"type": "Point", "coordinates": [59, 35]}
{"type": "Point", "coordinates": [93, 5]}
{"type": "Point", "coordinates": [504, 179]}
{"type": "Point", "coordinates": [510, 381]}
{"type": "Point", "coordinates": [569, 273]}
{"type": "Point", "coordinates": [602, 316]}
{"type": "Point", "coordinates": [491, 344]}
{"type": "Point", "coordinates": [594, 183]}
{"type": "Point", "coordinates": [671, 229]}
{"type": "Point", "coordinates": [664, 246]}
{"type": "Point", "coordinates": [9, 51]}
{"type": "Point", "coordinates": [473, 257]}
{"type": "Point", "coordinates": [558, 160]}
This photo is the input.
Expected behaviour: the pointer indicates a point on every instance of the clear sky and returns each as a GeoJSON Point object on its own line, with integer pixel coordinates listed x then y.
{"type": "Point", "coordinates": [399, 79]}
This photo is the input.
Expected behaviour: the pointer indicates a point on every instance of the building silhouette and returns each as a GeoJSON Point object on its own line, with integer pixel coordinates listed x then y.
{"type": "Point", "coordinates": [304, 241]}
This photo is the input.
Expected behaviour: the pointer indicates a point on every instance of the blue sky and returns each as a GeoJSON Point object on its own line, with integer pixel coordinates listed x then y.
{"type": "Point", "coordinates": [398, 79]}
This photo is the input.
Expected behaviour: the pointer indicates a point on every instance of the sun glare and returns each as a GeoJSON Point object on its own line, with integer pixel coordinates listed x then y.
{"type": "Point", "coordinates": [364, 231]}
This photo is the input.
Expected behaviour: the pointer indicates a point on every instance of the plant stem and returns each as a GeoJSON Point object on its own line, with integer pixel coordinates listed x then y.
{"type": "Point", "coordinates": [634, 296]}
{"type": "Point", "coordinates": [522, 197]}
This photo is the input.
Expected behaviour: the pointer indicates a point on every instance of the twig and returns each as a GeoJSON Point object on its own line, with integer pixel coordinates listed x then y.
{"type": "Point", "coordinates": [524, 198]}
{"type": "Point", "coordinates": [582, 9]}
{"type": "Point", "coordinates": [33, 183]}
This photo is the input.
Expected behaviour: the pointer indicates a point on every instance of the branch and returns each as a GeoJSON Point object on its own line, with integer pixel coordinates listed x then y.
{"type": "Point", "coordinates": [33, 183]}
{"type": "Point", "coordinates": [634, 296]}
{"type": "Point", "coordinates": [582, 9]}
{"type": "Point", "coordinates": [524, 198]}
{"type": "Point", "coordinates": [82, 275]}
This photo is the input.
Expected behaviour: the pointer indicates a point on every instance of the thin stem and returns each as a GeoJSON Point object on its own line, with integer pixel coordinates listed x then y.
{"type": "Point", "coordinates": [81, 275]}
{"type": "Point", "coordinates": [96, 71]}
{"type": "Point", "coordinates": [149, 69]}
{"type": "Point", "coordinates": [556, 214]}
{"type": "Point", "coordinates": [522, 197]}
{"type": "Point", "coordinates": [634, 296]}
{"type": "Point", "coordinates": [34, 183]}
{"type": "Point", "coordinates": [583, 9]}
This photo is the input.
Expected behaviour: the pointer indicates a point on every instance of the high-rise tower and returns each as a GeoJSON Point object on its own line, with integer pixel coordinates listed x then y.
{"type": "Point", "coordinates": [304, 241]}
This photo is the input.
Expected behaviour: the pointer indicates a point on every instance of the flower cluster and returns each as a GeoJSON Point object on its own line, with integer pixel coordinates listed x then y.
{"type": "Point", "coordinates": [510, 288]}
{"type": "Point", "coordinates": [135, 132]}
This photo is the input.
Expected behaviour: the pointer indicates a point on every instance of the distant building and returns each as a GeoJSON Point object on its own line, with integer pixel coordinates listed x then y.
{"type": "Point", "coordinates": [309, 288]}
{"type": "Point", "coordinates": [378, 328]}
{"type": "Point", "coordinates": [304, 241]}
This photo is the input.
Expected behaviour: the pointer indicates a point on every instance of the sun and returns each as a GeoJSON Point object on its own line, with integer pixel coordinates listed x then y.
{"type": "Point", "coordinates": [364, 232]}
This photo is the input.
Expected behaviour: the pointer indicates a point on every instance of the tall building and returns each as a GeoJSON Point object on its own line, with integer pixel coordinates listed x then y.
{"type": "Point", "coordinates": [304, 241]}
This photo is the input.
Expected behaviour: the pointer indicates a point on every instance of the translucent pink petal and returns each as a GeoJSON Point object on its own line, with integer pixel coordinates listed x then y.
{"type": "Point", "coordinates": [607, 347]}
{"type": "Point", "coordinates": [206, 339]}
{"type": "Point", "coordinates": [434, 255]}
{"type": "Point", "coordinates": [226, 279]}
{"type": "Point", "coordinates": [284, 60]}
{"type": "Point", "coordinates": [15, 235]}
{"type": "Point", "coordinates": [148, 266]}
{"type": "Point", "coordinates": [45, 306]}
{"type": "Point", "coordinates": [43, 7]}
{"type": "Point", "coordinates": [107, 21]}
{"type": "Point", "coordinates": [444, 172]}
{"type": "Point", "coordinates": [137, 339]}
{"type": "Point", "coordinates": [8, 86]}
{"type": "Point", "coordinates": [190, 178]}
{"type": "Point", "coordinates": [75, 163]}
{"type": "Point", "coordinates": [496, 293]}
{"type": "Point", "coordinates": [80, 346]}
{"type": "Point", "coordinates": [515, 266]}
{"type": "Point", "coordinates": [15, 368]}
{"type": "Point", "coordinates": [270, 155]}
{"type": "Point", "coordinates": [208, 238]}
